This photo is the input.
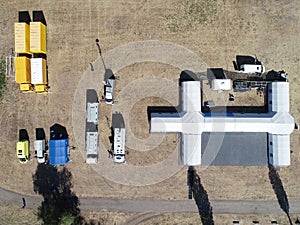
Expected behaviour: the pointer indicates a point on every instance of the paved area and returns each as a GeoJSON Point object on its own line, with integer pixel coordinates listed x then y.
{"type": "Point", "coordinates": [159, 206]}
{"type": "Point", "coordinates": [236, 149]}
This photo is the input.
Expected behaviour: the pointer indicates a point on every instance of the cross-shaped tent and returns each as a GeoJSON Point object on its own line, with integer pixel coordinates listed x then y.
{"type": "Point", "coordinates": [190, 123]}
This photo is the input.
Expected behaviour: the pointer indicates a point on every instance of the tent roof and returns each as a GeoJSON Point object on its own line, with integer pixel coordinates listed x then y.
{"type": "Point", "coordinates": [59, 151]}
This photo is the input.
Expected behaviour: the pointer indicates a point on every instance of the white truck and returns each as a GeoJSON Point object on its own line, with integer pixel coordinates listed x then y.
{"type": "Point", "coordinates": [91, 143]}
{"type": "Point", "coordinates": [40, 145]}
{"type": "Point", "coordinates": [91, 127]}
{"type": "Point", "coordinates": [109, 88]}
{"type": "Point", "coordinates": [249, 64]}
{"type": "Point", "coordinates": [248, 68]}
{"type": "Point", "coordinates": [40, 149]}
{"type": "Point", "coordinates": [119, 145]}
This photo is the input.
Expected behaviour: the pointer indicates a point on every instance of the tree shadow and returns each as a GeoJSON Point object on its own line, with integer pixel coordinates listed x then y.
{"type": "Point", "coordinates": [279, 191]}
{"type": "Point", "coordinates": [201, 199]}
{"type": "Point", "coordinates": [60, 204]}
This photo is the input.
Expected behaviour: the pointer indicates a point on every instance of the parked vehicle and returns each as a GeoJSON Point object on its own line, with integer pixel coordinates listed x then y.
{"type": "Point", "coordinates": [40, 145]}
{"type": "Point", "coordinates": [22, 146]}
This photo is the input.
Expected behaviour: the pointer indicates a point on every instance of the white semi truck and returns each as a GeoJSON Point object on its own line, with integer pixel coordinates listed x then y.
{"type": "Point", "coordinates": [91, 143]}
{"type": "Point", "coordinates": [91, 127]}
{"type": "Point", "coordinates": [119, 145]}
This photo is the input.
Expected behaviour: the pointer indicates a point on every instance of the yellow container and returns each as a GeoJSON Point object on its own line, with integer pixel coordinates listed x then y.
{"type": "Point", "coordinates": [22, 38]}
{"type": "Point", "coordinates": [41, 88]}
{"type": "Point", "coordinates": [22, 68]}
{"type": "Point", "coordinates": [26, 87]}
{"type": "Point", "coordinates": [37, 37]}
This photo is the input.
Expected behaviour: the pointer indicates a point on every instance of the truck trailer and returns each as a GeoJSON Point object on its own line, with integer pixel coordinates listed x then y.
{"type": "Point", "coordinates": [91, 143]}
{"type": "Point", "coordinates": [39, 75]}
{"type": "Point", "coordinates": [23, 73]}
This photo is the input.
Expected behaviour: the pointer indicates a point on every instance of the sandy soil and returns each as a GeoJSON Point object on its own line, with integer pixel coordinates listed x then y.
{"type": "Point", "coordinates": [268, 29]}
{"type": "Point", "coordinates": [190, 219]}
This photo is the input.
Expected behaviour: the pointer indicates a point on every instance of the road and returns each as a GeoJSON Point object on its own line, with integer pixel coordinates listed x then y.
{"type": "Point", "coordinates": [160, 206]}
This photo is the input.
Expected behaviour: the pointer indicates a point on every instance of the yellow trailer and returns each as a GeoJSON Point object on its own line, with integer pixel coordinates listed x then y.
{"type": "Point", "coordinates": [39, 75]}
{"type": "Point", "coordinates": [23, 73]}
{"type": "Point", "coordinates": [22, 38]}
{"type": "Point", "coordinates": [37, 37]}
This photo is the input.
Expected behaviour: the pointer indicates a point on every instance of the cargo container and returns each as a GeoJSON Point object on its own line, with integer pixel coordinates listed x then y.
{"type": "Point", "coordinates": [39, 75]}
{"type": "Point", "coordinates": [37, 37]}
{"type": "Point", "coordinates": [91, 143]}
{"type": "Point", "coordinates": [22, 38]}
{"type": "Point", "coordinates": [23, 73]}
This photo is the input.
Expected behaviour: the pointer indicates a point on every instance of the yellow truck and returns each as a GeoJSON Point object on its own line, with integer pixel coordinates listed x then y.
{"type": "Point", "coordinates": [23, 151]}
{"type": "Point", "coordinates": [23, 146]}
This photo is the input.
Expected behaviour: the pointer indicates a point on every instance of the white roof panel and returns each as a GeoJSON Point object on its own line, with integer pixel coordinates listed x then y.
{"type": "Point", "coordinates": [166, 122]}
{"type": "Point", "coordinates": [190, 149]}
{"type": "Point", "coordinates": [221, 84]}
{"type": "Point", "coordinates": [37, 71]}
{"type": "Point", "coordinates": [191, 96]}
{"type": "Point", "coordinates": [279, 147]}
{"type": "Point", "coordinates": [280, 97]}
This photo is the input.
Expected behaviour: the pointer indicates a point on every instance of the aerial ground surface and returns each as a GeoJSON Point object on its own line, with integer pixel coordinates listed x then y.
{"type": "Point", "coordinates": [214, 30]}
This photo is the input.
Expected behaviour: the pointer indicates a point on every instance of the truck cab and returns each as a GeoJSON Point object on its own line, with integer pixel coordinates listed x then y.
{"type": "Point", "coordinates": [23, 151]}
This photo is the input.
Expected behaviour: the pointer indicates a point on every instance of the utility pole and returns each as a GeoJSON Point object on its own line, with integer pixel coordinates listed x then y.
{"type": "Point", "coordinates": [100, 52]}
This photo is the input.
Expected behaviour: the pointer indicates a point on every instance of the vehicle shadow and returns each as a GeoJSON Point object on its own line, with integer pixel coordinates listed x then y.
{"type": "Point", "coordinates": [38, 16]}
{"type": "Point", "coordinates": [23, 135]}
{"type": "Point", "coordinates": [201, 199]}
{"type": "Point", "coordinates": [279, 191]}
{"type": "Point", "coordinates": [60, 202]}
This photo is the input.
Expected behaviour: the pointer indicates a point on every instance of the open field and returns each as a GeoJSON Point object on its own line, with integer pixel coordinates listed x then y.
{"type": "Point", "coordinates": [11, 214]}
{"type": "Point", "coordinates": [216, 32]}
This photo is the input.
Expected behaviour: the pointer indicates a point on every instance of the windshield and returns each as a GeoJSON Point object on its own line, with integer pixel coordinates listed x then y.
{"type": "Point", "coordinates": [108, 100]}
{"type": "Point", "coordinates": [22, 160]}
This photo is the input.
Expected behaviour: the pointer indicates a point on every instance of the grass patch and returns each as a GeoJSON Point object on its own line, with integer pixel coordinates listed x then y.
{"type": "Point", "coordinates": [2, 77]}
{"type": "Point", "coordinates": [188, 15]}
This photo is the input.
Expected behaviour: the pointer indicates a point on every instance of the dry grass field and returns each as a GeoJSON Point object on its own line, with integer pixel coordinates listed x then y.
{"type": "Point", "coordinates": [216, 30]}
